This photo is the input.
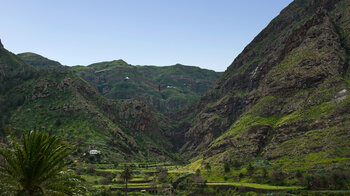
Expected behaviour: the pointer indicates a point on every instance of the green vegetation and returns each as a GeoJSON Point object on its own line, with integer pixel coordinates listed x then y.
{"type": "Point", "coordinates": [126, 176]}
{"type": "Point", "coordinates": [253, 185]}
{"type": "Point", "coordinates": [38, 61]}
{"type": "Point", "coordinates": [61, 103]}
{"type": "Point", "coordinates": [167, 88]}
{"type": "Point", "coordinates": [38, 165]}
{"type": "Point", "coordinates": [173, 178]}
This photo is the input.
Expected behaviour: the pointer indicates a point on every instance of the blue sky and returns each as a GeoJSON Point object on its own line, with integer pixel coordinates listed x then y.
{"type": "Point", "coordinates": [204, 33]}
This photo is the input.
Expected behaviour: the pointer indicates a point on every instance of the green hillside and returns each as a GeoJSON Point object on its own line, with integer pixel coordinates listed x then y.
{"type": "Point", "coordinates": [283, 105]}
{"type": "Point", "coordinates": [60, 102]}
{"type": "Point", "coordinates": [38, 61]}
{"type": "Point", "coordinates": [167, 88]}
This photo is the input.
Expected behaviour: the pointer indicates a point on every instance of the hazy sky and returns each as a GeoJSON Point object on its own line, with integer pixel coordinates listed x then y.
{"type": "Point", "coordinates": [204, 33]}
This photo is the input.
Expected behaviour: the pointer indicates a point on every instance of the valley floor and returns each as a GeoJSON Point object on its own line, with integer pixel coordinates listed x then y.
{"type": "Point", "coordinates": [170, 179]}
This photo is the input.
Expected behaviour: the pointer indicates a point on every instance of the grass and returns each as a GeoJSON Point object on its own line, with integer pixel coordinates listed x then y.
{"type": "Point", "coordinates": [92, 179]}
{"type": "Point", "coordinates": [305, 162]}
{"type": "Point", "coordinates": [254, 185]}
{"type": "Point", "coordinates": [191, 168]}
{"type": "Point", "coordinates": [136, 179]}
{"type": "Point", "coordinates": [109, 170]}
{"type": "Point", "coordinates": [130, 185]}
{"type": "Point", "coordinates": [309, 113]}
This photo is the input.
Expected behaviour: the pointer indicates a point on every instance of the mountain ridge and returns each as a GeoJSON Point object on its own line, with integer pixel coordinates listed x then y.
{"type": "Point", "coordinates": [167, 88]}
{"type": "Point", "coordinates": [38, 61]}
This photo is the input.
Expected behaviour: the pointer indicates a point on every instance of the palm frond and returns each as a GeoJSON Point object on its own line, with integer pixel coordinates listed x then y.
{"type": "Point", "coordinates": [38, 164]}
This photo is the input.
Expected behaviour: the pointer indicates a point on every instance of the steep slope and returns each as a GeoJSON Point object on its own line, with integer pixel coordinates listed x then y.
{"type": "Point", "coordinates": [13, 72]}
{"type": "Point", "coordinates": [285, 98]}
{"type": "Point", "coordinates": [60, 102]}
{"type": "Point", "coordinates": [166, 88]}
{"type": "Point", "coordinates": [38, 61]}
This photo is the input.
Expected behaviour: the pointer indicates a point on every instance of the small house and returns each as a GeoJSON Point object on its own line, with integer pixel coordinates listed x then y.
{"type": "Point", "coordinates": [94, 152]}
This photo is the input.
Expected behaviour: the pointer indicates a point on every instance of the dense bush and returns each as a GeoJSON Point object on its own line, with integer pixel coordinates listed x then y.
{"type": "Point", "coordinates": [250, 169]}
{"type": "Point", "coordinates": [277, 175]}
{"type": "Point", "coordinates": [236, 164]}
{"type": "Point", "coordinates": [227, 167]}
{"type": "Point", "coordinates": [91, 169]}
{"type": "Point", "coordinates": [207, 167]}
{"type": "Point", "coordinates": [335, 180]}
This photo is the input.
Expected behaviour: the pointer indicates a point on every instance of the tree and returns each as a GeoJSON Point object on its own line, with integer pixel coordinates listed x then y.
{"type": "Point", "coordinates": [207, 167]}
{"type": "Point", "coordinates": [198, 172]}
{"type": "Point", "coordinates": [37, 164]}
{"type": "Point", "coordinates": [126, 175]}
{"type": "Point", "coordinates": [226, 167]}
{"type": "Point", "coordinates": [250, 169]}
{"type": "Point", "coordinates": [236, 164]}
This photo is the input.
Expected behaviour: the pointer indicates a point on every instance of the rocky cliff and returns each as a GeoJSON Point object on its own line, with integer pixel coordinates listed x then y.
{"type": "Point", "coordinates": [285, 97]}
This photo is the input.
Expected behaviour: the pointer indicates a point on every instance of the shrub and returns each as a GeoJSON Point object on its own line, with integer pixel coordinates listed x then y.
{"type": "Point", "coordinates": [264, 172]}
{"type": "Point", "coordinates": [298, 174]}
{"type": "Point", "coordinates": [198, 172]}
{"type": "Point", "coordinates": [227, 167]}
{"type": "Point", "coordinates": [162, 176]}
{"type": "Point", "coordinates": [207, 166]}
{"type": "Point", "coordinates": [105, 181]}
{"type": "Point", "coordinates": [334, 180]}
{"type": "Point", "coordinates": [277, 175]}
{"type": "Point", "coordinates": [236, 164]}
{"type": "Point", "coordinates": [91, 169]}
{"type": "Point", "coordinates": [250, 169]}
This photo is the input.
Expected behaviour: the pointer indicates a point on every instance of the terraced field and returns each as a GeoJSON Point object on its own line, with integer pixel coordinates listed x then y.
{"type": "Point", "coordinates": [166, 179]}
{"type": "Point", "coordinates": [145, 177]}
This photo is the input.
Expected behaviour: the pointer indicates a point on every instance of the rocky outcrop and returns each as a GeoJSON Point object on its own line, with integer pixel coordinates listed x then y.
{"type": "Point", "coordinates": [1, 46]}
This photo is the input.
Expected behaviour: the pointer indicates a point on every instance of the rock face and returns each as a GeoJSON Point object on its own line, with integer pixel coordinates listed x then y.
{"type": "Point", "coordinates": [285, 96]}
{"type": "Point", "coordinates": [1, 46]}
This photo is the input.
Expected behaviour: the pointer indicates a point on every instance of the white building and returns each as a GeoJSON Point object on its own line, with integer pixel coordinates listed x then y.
{"type": "Point", "coordinates": [95, 152]}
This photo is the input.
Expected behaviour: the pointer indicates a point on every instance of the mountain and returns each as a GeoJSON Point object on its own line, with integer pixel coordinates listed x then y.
{"type": "Point", "coordinates": [60, 102]}
{"type": "Point", "coordinates": [285, 99]}
{"type": "Point", "coordinates": [168, 88]}
{"type": "Point", "coordinates": [38, 61]}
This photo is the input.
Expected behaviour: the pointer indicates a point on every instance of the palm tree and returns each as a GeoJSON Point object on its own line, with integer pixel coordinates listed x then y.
{"type": "Point", "coordinates": [126, 175]}
{"type": "Point", "coordinates": [37, 165]}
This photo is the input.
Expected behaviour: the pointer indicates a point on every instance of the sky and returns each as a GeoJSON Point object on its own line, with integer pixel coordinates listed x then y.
{"type": "Point", "coordinates": [204, 33]}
